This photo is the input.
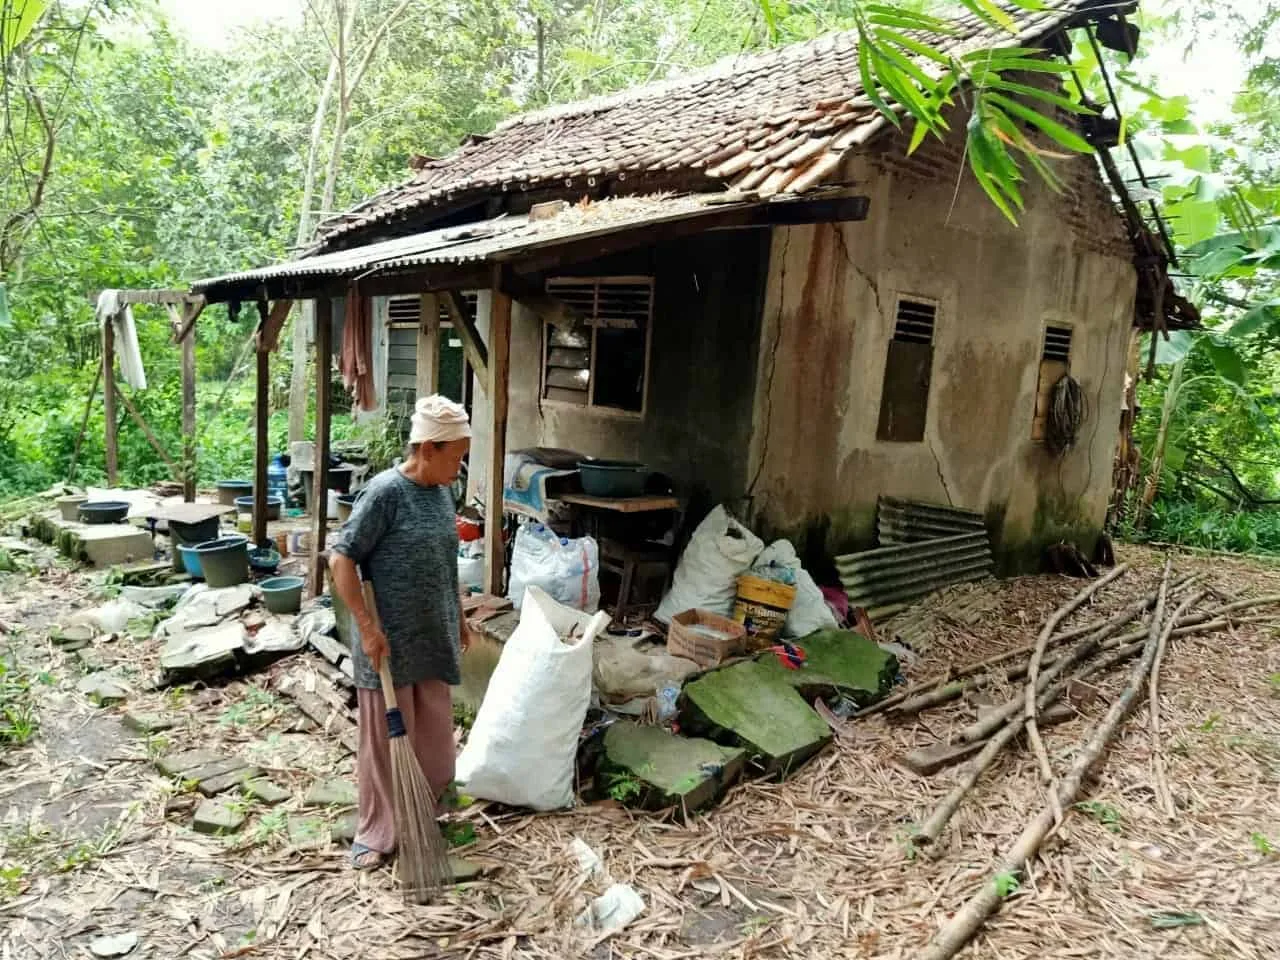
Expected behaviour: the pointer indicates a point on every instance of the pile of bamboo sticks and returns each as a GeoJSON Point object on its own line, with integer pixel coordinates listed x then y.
{"type": "Point", "coordinates": [1058, 662]}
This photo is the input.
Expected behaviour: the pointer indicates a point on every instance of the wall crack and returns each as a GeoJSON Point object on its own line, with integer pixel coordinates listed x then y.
{"type": "Point", "coordinates": [937, 463]}
{"type": "Point", "coordinates": [862, 274]}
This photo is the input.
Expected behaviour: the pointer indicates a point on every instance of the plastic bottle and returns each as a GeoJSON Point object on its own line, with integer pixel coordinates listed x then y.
{"type": "Point", "coordinates": [278, 479]}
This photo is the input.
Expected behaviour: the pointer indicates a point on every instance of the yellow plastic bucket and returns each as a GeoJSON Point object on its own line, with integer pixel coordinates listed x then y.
{"type": "Point", "coordinates": [762, 606]}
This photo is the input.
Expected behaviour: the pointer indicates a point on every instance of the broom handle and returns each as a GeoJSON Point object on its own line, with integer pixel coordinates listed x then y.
{"type": "Point", "coordinates": [384, 671]}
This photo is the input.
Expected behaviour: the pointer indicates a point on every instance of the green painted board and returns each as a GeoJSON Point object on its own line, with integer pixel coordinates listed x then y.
{"type": "Point", "coordinates": [672, 771]}
{"type": "Point", "coordinates": [838, 661]}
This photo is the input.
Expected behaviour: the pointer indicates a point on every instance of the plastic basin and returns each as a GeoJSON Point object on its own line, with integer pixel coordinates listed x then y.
{"type": "Point", "coordinates": [189, 535]}
{"type": "Point", "coordinates": [190, 561]}
{"type": "Point", "coordinates": [70, 506]}
{"type": "Point", "coordinates": [264, 559]}
{"type": "Point", "coordinates": [225, 562]}
{"type": "Point", "coordinates": [613, 478]}
{"type": "Point", "coordinates": [274, 506]}
{"type": "Point", "coordinates": [282, 594]}
{"type": "Point", "coordinates": [104, 511]}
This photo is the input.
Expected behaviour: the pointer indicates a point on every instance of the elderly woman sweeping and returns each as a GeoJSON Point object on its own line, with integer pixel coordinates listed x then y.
{"type": "Point", "coordinates": [402, 538]}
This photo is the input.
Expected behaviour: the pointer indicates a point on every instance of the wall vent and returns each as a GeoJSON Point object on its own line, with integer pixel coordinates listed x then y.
{"type": "Point", "coordinates": [1057, 344]}
{"type": "Point", "coordinates": [914, 322]}
{"type": "Point", "coordinates": [620, 303]}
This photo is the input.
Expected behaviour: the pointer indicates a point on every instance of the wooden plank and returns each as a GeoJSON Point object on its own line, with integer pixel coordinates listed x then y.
{"type": "Point", "coordinates": [188, 344]}
{"type": "Point", "coordinates": [576, 397]}
{"type": "Point", "coordinates": [402, 381]}
{"type": "Point", "coordinates": [499, 370]}
{"type": "Point", "coordinates": [146, 429]}
{"type": "Point", "coordinates": [622, 504]}
{"type": "Point", "coordinates": [404, 368]}
{"type": "Point", "coordinates": [472, 344]}
{"type": "Point", "coordinates": [428, 347]}
{"type": "Point", "coordinates": [272, 324]}
{"type": "Point", "coordinates": [320, 480]}
{"type": "Point", "coordinates": [405, 351]}
{"type": "Point", "coordinates": [262, 417]}
{"type": "Point", "coordinates": [109, 396]}
{"type": "Point", "coordinates": [194, 306]}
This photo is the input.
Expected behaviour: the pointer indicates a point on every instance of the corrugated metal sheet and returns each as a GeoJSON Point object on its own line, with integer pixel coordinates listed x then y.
{"type": "Point", "coordinates": [486, 240]}
{"type": "Point", "coordinates": [905, 521]}
{"type": "Point", "coordinates": [885, 580]}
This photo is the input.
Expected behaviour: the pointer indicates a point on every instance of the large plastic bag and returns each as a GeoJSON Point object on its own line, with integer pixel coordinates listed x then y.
{"type": "Point", "coordinates": [568, 570]}
{"type": "Point", "coordinates": [524, 742]}
{"type": "Point", "coordinates": [706, 578]}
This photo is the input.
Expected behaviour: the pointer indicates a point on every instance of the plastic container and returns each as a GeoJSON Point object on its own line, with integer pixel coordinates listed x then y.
{"type": "Point", "coordinates": [274, 506]}
{"type": "Point", "coordinates": [70, 506]}
{"type": "Point", "coordinates": [264, 560]}
{"type": "Point", "coordinates": [225, 562]}
{"type": "Point", "coordinates": [189, 535]}
{"type": "Point", "coordinates": [613, 478]}
{"type": "Point", "coordinates": [282, 594]}
{"type": "Point", "coordinates": [346, 503]}
{"type": "Point", "coordinates": [228, 490]}
{"type": "Point", "coordinates": [761, 607]}
{"type": "Point", "coordinates": [190, 560]}
{"type": "Point", "coordinates": [705, 638]}
{"type": "Point", "coordinates": [278, 478]}
{"type": "Point", "coordinates": [104, 511]}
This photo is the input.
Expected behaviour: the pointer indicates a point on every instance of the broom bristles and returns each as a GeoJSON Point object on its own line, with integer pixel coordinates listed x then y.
{"type": "Point", "coordinates": [422, 861]}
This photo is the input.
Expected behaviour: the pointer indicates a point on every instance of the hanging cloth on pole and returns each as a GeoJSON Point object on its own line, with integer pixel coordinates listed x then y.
{"type": "Point", "coordinates": [120, 315]}
{"type": "Point", "coordinates": [356, 362]}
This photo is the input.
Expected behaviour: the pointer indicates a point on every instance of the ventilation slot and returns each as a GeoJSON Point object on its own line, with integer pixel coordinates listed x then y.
{"type": "Point", "coordinates": [915, 322]}
{"type": "Point", "coordinates": [469, 304]}
{"type": "Point", "coordinates": [619, 303]}
{"type": "Point", "coordinates": [1057, 344]}
{"type": "Point", "coordinates": [404, 309]}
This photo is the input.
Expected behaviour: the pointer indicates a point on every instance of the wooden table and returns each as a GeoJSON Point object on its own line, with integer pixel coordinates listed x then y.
{"type": "Point", "coordinates": [621, 504]}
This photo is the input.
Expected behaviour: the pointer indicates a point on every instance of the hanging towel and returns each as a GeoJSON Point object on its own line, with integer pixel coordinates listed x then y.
{"type": "Point", "coordinates": [356, 363]}
{"type": "Point", "coordinates": [121, 319]}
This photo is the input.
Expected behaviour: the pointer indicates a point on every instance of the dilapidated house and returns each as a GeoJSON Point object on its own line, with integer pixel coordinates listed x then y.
{"type": "Point", "coordinates": [740, 278]}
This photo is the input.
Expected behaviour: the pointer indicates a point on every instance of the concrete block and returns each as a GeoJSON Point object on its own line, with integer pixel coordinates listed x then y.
{"type": "Point", "coordinates": [213, 817]}
{"type": "Point", "coordinates": [147, 723]}
{"type": "Point", "coordinates": [178, 764]}
{"type": "Point", "coordinates": [331, 793]}
{"type": "Point", "coordinates": [749, 705]}
{"type": "Point", "coordinates": [90, 660]}
{"type": "Point", "coordinates": [203, 653]}
{"type": "Point", "coordinates": [103, 689]}
{"type": "Point", "coordinates": [219, 782]}
{"type": "Point", "coordinates": [839, 661]}
{"type": "Point", "coordinates": [73, 637]}
{"type": "Point", "coordinates": [264, 791]}
{"type": "Point", "coordinates": [673, 771]}
{"type": "Point", "coordinates": [102, 545]}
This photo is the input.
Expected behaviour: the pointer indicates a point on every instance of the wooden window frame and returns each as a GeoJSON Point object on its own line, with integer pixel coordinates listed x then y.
{"type": "Point", "coordinates": [884, 425]}
{"type": "Point", "coordinates": [601, 410]}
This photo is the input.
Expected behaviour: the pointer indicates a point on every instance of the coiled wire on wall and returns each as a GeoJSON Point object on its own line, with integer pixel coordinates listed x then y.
{"type": "Point", "coordinates": [1067, 412]}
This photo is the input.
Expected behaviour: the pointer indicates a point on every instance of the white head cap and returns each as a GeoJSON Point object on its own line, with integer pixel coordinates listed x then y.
{"type": "Point", "coordinates": [437, 418]}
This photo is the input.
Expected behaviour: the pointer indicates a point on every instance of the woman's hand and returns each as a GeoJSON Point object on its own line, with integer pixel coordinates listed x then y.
{"type": "Point", "coordinates": [373, 642]}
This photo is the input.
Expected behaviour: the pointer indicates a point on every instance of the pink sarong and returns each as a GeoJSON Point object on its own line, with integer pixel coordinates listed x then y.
{"type": "Point", "coordinates": [427, 708]}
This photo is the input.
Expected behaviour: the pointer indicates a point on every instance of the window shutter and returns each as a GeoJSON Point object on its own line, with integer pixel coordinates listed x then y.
{"type": "Point", "coordinates": [904, 397]}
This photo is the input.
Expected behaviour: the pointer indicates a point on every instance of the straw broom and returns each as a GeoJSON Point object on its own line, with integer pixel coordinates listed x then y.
{"type": "Point", "coordinates": [422, 861]}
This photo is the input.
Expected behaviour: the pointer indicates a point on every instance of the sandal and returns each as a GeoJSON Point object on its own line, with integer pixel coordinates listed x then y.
{"type": "Point", "coordinates": [366, 858]}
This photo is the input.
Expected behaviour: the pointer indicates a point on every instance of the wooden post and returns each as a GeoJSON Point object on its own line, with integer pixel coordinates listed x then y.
{"type": "Point", "coordinates": [262, 416]}
{"type": "Point", "coordinates": [320, 486]}
{"type": "Point", "coordinates": [498, 369]}
{"type": "Point", "coordinates": [189, 413]}
{"type": "Point", "coordinates": [109, 396]}
{"type": "Point", "coordinates": [429, 346]}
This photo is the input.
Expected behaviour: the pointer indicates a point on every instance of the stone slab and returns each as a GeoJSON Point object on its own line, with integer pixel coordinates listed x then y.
{"type": "Point", "coordinates": [103, 688]}
{"type": "Point", "coordinates": [213, 817]}
{"type": "Point", "coordinates": [99, 544]}
{"type": "Point", "coordinates": [218, 783]}
{"type": "Point", "coordinates": [344, 828]}
{"type": "Point", "coordinates": [674, 771]}
{"type": "Point", "coordinates": [147, 723]}
{"type": "Point", "coordinates": [331, 793]}
{"type": "Point", "coordinates": [264, 791]}
{"type": "Point", "coordinates": [177, 764]}
{"type": "Point", "coordinates": [202, 653]}
{"type": "Point", "coordinates": [73, 637]}
{"type": "Point", "coordinates": [308, 833]}
{"type": "Point", "coordinates": [216, 768]}
{"type": "Point", "coordinates": [90, 660]}
{"type": "Point", "coordinates": [841, 661]}
{"type": "Point", "coordinates": [749, 705]}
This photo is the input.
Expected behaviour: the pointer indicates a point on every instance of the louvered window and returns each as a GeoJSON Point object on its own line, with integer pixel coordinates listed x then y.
{"type": "Point", "coordinates": [1057, 344]}
{"type": "Point", "coordinates": [904, 398]}
{"type": "Point", "coordinates": [602, 360]}
{"type": "Point", "coordinates": [914, 322]}
{"type": "Point", "coordinates": [403, 337]}
{"type": "Point", "coordinates": [1055, 363]}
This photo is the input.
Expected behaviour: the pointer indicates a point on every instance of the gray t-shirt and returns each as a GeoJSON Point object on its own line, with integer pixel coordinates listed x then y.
{"type": "Point", "coordinates": [404, 539]}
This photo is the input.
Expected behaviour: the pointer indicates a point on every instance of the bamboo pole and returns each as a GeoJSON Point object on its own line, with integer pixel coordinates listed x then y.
{"type": "Point", "coordinates": [146, 429]}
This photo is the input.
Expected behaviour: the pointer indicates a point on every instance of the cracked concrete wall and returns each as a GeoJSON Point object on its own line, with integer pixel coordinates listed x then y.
{"type": "Point", "coordinates": [696, 427]}
{"type": "Point", "coordinates": [829, 314]}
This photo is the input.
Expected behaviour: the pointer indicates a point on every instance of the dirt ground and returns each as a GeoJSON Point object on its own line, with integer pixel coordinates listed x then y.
{"type": "Point", "coordinates": [94, 841]}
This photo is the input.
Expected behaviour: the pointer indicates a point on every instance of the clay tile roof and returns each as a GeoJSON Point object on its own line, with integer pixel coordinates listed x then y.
{"type": "Point", "coordinates": [775, 122]}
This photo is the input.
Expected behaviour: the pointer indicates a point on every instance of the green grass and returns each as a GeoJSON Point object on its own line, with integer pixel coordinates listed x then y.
{"type": "Point", "coordinates": [19, 718]}
{"type": "Point", "coordinates": [1104, 813]}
